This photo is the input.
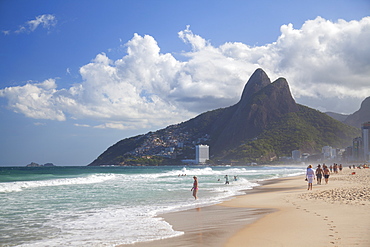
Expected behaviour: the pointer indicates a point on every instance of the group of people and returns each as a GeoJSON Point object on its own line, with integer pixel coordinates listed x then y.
{"type": "Point", "coordinates": [334, 168]}
{"type": "Point", "coordinates": [227, 179]}
{"type": "Point", "coordinates": [311, 175]}
{"type": "Point", "coordinates": [318, 174]}
{"type": "Point", "coordinates": [359, 166]}
{"type": "Point", "coordinates": [194, 189]}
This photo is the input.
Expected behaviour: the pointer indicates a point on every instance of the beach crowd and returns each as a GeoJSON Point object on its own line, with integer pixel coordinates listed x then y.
{"type": "Point", "coordinates": [355, 183]}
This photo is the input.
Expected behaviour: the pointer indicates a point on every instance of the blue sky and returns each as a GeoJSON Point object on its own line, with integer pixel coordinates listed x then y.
{"type": "Point", "coordinates": [78, 76]}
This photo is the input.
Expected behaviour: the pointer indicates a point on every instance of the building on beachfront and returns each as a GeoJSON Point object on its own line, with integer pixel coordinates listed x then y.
{"type": "Point", "coordinates": [327, 152]}
{"type": "Point", "coordinates": [201, 153]}
{"type": "Point", "coordinates": [366, 140]}
{"type": "Point", "coordinates": [349, 154]}
{"type": "Point", "coordinates": [296, 155]}
{"type": "Point", "coordinates": [334, 153]}
{"type": "Point", "coordinates": [357, 151]}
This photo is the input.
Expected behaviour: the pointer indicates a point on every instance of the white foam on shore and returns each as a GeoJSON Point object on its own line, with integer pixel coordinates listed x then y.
{"type": "Point", "coordinates": [107, 227]}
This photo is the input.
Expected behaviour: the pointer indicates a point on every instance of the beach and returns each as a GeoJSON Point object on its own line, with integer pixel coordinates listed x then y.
{"type": "Point", "coordinates": [281, 212]}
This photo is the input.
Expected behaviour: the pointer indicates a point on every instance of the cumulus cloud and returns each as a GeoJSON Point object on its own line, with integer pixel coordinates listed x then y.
{"type": "Point", "coordinates": [147, 88]}
{"type": "Point", "coordinates": [37, 100]}
{"type": "Point", "coordinates": [326, 58]}
{"type": "Point", "coordinates": [45, 21]}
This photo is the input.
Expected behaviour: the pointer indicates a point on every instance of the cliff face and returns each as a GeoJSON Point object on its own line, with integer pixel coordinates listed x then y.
{"type": "Point", "coordinates": [261, 103]}
{"type": "Point", "coordinates": [256, 82]}
{"type": "Point", "coordinates": [264, 124]}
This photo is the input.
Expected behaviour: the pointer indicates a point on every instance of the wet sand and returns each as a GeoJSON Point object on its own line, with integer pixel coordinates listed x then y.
{"type": "Point", "coordinates": [282, 212]}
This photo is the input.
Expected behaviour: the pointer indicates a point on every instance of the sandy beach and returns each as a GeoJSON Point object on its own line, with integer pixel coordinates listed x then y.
{"type": "Point", "coordinates": [282, 212]}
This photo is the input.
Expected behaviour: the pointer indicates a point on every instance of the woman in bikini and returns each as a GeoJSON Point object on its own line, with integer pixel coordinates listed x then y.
{"type": "Point", "coordinates": [195, 187]}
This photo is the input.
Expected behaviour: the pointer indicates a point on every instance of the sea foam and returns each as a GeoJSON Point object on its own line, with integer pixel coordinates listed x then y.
{"type": "Point", "coordinates": [21, 185]}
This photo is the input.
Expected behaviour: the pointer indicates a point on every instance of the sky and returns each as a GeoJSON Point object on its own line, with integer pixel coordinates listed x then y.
{"type": "Point", "coordinates": [78, 76]}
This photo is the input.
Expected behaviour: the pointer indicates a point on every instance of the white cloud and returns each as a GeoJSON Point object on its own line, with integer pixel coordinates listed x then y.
{"type": "Point", "coordinates": [82, 125]}
{"type": "Point", "coordinates": [46, 21]}
{"type": "Point", "coordinates": [326, 58]}
{"type": "Point", "coordinates": [197, 42]}
{"type": "Point", "coordinates": [114, 126]}
{"type": "Point", "coordinates": [37, 100]}
{"type": "Point", "coordinates": [323, 62]}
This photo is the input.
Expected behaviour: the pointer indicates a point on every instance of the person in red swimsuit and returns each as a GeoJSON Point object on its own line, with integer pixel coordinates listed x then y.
{"type": "Point", "coordinates": [195, 187]}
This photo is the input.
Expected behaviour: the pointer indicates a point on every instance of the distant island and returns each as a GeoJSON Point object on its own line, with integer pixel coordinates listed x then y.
{"type": "Point", "coordinates": [33, 164]}
{"type": "Point", "coordinates": [265, 126]}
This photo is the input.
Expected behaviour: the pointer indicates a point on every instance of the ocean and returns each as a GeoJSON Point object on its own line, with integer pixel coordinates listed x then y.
{"type": "Point", "coordinates": [107, 206]}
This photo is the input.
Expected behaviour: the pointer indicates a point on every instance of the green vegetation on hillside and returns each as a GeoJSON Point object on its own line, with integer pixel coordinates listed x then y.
{"type": "Point", "coordinates": [115, 153]}
{"type": "Point", "coordinates": [307, 130]}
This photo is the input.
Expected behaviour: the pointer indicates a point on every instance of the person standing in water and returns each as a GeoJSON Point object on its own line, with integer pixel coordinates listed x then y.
{"type": "Point", "coordinates": [310, 176]}
{"type": "Point", "coordinates": [195, 187]}
{"type": "Point", "coordinates": [227, 179]}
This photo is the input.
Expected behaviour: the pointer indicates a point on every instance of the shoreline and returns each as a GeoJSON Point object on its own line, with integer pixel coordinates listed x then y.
{"type": "Point", "coordinates": [202, 229]}
{"type": "Point", "coordinates": [281, 212]}
{"type": "Point", "coordinates": [336, 214]}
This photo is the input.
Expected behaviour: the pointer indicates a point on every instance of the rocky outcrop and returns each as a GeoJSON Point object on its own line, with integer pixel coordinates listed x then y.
{"type": "Point", "coordinates": [261, 103]}
{"type": "Point", "coordinates": [361, 116]}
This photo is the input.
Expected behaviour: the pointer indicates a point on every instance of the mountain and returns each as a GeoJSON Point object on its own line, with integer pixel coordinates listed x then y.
{"type": "Point", "coordinates": [337, 116]}
{"type": "Point", "coordinates": [361, 116]}
{"type": "Point", "coordinates": [264, 125]}
{"type": "Point", "coordinates": [262, 102]}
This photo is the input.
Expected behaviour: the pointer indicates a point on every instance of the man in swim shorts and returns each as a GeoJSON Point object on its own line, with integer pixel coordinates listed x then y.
{"type": "Point", "coordinates": [319, 173]}
{"type": "Point", "coordinates": [326, 174]}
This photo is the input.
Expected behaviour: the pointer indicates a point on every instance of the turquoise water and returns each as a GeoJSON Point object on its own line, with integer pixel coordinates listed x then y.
{"type": "Point", "coordinates": [107, 206]}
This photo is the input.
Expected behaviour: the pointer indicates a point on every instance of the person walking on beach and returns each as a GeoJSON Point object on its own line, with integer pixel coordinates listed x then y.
{"type": "Point", "coordinates": [335, 168]}
{"type": "Point", "coordinates": [326, 174]}
{"type": "Point", "coordinates": [310, 175]}
{"type": "Point", "coordinates": [319, 173]}
{"type": "Point", "coordinates": [195, 187]}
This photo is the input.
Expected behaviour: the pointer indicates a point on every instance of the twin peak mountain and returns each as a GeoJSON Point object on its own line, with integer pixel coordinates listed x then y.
{"type": "Point", "coordinates": [263, 126]}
